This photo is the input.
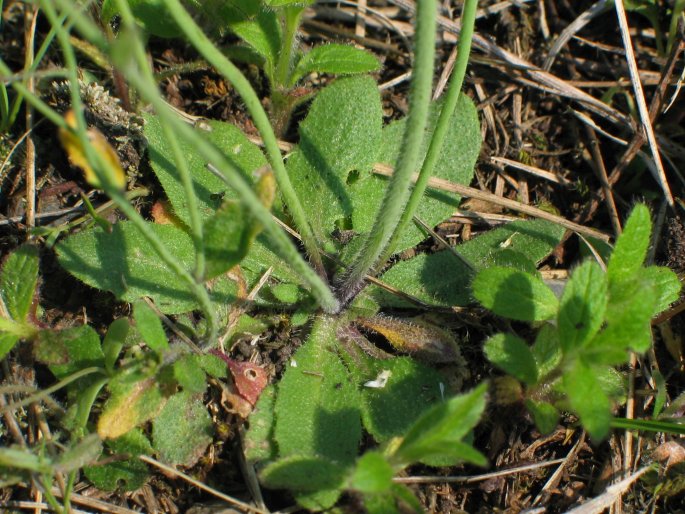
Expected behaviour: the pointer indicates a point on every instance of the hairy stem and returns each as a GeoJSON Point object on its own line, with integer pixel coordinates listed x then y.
{"type": "Point", "coordinates": [217, 59]}
{"type": "Point", "coordinates": [400, 184]}
{"type": "Point", "coordinates": [449, 106]}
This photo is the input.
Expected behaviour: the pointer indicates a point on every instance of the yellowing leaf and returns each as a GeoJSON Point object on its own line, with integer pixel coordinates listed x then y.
{"type": "Point", "coordinates": [417, 337]}
{"type": "Point", "coordinates": [77, 155]}
{"type": "Point", "coordinates": [129, 407]}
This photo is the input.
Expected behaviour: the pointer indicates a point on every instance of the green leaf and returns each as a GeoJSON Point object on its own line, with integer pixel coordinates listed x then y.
{"type": "Point", "coordinates": [513, 355]}
{"type": "Point", "coordinates": [515, 294]}
{"type": "Point", "coordinates": [126, 475]}
{"type": "Point", "coordinates": [582, 307]}
{"type": "Point", "coordinates": [439, 430]}
{"type": "Point", "coordinates": [545, 414]}
{"type": "Point", "coordinates": [150, 327]}
{"type": "Point", "coordinates": [424, 276]}
{"type": "Point", "coordinates": [666, 285]}
{"type": "Point", "coordinates": [227, 237]}
{"type": "Point", "coordinates": [373, 474]}
{"type": "Point", "coordinates": [286, 3]}
{"type": "Point", "coordinates": [455, 164]}
{"type": "Point", "coordinates": [588, 400]}
{"type": "Point", "coordinates": [182, 430]}
{"type": "Point", "coordinates": [212, 365]}
{"type": "Point", "coordinates": [339, 141]}
{"type": "Point", "coordinates": [335, 59]}
{"type": "Point", "coordinates": [259, 440]}
{"type": "Point", "coordinates": [114, 341]}
{"type": "Point", "coordinates": [84, 452]}
{"type": "Point", "coordinates": [631, 246]}
{"type": "Point", "coordinates": [152, 15]}
{"type": "Point", "coordinates": [81, 349]}
{"type": "Point", "coordinates": [400, 501]}
{"type": "Point", "coordinates": [7, 342]}
{"type": "Point", "coordinates": [315, 501]}
{"type": "Point", "coordinates": [411, 389]}
{"type": "Point", "coordinates": [124, 263]}
{"type": "Point", "coordinates": [189, 374]}
{"type": "Point", "coordinates": [210, 190]}
{"type": "Point", "coordinates": [303, 474]}
{"type": "Point", "coordinates": [316, 408]}
{"type": "Point", "coordinates": [250, 21]}
{"type": "Point", "coordinates": [547, 350]}
{"type": "Point", "coordinates": [18, 281]}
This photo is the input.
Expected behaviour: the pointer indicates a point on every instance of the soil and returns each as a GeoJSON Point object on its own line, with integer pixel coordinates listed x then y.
{"type": "Point", "coordinates": [524, 120]}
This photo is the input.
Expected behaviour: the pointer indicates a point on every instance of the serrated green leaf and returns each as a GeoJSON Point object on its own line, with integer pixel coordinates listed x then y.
{"type": "Point", "coordinates": [547, 350]}
{"type": "Point", "coordinates": [582, 306]}
{"type": "Point", "coordinates": [513, 355]}
{"type": "Point", "coordinates": [124, 263]}
{"type": "Point", "coordinates": [303, 474]}
{"type": "Point", "coordinates": [666, 285]}
{"type": "Point", "coordinates": [259, 441]}
{"type": "Point", "coordinates": [631, 246]}
{"type": "Point", "coordinates": [411, 388]}
{"type": "Point", "coordinates": [588, 400]}
{"type": "Point", "coordinates": [182, 430]}
{"type": "Point", "coordinates": [150, 327]}
{"type": "Point", "coordinates": [81, 347]}
{"type": "Point", "coordinates": [442, 279]}
{"type": "Point", "coordinates": [339, 139]}
{"type": "Point", "coordinates": [514, 294]}
{"type": "Point", "coordinates": [438, 430]}
{"type": "Point", "coordinates": [372, 474]}
{"type": "Point", "coordinates": [316, 409]}
{"type": "Point", "coordinates": [18, 281]}
{"type": "Point", "coordinates": [545, 414]}
{"type": "Point", "coordinates": [336, 59]}
{"type": "Point", "coordinates": [210, 190]}
{"type": "Point", "coordinates": [125, 475]}
{"type": "Point", "coordinates": [114, 341]}
{"type": "Point", "coordinates": [455, 164]}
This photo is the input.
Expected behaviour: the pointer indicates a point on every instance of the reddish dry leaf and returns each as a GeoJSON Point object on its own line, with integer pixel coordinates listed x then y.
{"type": "Point", "coordinates": [250, 379]}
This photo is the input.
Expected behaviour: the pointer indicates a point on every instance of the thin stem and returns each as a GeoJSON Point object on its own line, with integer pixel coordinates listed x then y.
{"type": "Point", "coordinates": [217, 59]}
{"type": "Point", "coordinates": [284, 246]}
{"type": "Point", "coordinates": [449, 106]}
{"type": "Point", "coordinates": [104, 171]}
{"type": "Point", "coordinates": [400, 184]}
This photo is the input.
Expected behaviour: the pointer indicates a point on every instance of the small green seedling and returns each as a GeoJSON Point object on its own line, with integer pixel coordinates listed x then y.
{"type": "Point", "coordinates": [601, 316]}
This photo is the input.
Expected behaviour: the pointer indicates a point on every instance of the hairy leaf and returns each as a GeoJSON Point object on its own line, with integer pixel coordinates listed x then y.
{"type": "Point", "coordinates": [18, 281]}
{"type": "Point", "coordinates": [150, 327]}
{"type": "Point", "coordinates": [182, 430]}
{"type": "Point", "coordinates": [124, 263]}
{"type": "Point", "coordinates": [545, 414]}
{"type": "Point", "coordinates": [514, 294]}
{"type": "Point", "coordinates": [443, 279]}
{"type": "Point", "coordinates": [303, 474]}
{"type": "Point", "coordinates": [317, 411]}
{"type": "Point", "coordinates": [666, 284]}
{"type": "Point", "coordinates": [513, 355]}
{"type": "Point", "coordinates": [336, 59]}
{"type": "Point", "coordinates": [373, 474]}
{"type": "Point", "coordinates": [588, 400]}
{"type": "Point", "coordinates": [631, 246]}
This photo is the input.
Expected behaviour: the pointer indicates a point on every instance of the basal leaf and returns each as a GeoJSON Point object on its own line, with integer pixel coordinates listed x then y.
{"type": "Point", "coordinates": [227, 238]}
{"type": "Point", "coordinates": [81, 347]}
{"type": "Point", "coordinates": [259, 439]}
{"type": "Point", "coordinates": [210, 190]}
{"type": "Point", "coordinates": [339, 141]}
{"type": "Point", "coordinates": [456, 164]}
{"type": "Point", "coordinates": [303, 474]}
{"type": "Point", "coordinates": [513, 355]}
{"type": "Point", "coordinates": [124, 263]}
{"type": "Point", "coordinates": [441, 427]}
{"type": "Point", "coordinates": [588, 400]}
{"type": "Point", "coordinates": [515, 294]}
{"type": "Point", "coordinates": [336, 59]}
{"type": "Point", "coordinates": [631, 246]}
{"type": "Point", "coordinates": [317, 413]}
{"type": "Point", "coordinates": [18, 281]}
{"type": "Point", "coordinates": [125, 475]}
{"type": "Point", "coordinates": [442, 279]}
{"type": "Point", "coordinates": [182, 430]}
{"type": "Point", "coordinates": [150, 327]}
{"type": "Point", "coordinates": [392, 405]}
{"type": "Point", "coordinates": [582, 308]}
